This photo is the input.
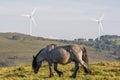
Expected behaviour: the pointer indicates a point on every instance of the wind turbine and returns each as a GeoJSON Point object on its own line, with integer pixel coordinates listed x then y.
{"type": "Point", "coordinates": [31, 19]}
{"type": "Point", "coordinates": [100, 26]}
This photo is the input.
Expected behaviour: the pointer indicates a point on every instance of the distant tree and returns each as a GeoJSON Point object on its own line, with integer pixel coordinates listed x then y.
{"type": "Point", "coordinates": [91, 40]}
{"type": "Point", "coordinates": [15, 37]}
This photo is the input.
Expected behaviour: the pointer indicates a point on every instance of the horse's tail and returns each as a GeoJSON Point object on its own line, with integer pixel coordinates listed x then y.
{"type": "Point", "coordinates": [84, 56]}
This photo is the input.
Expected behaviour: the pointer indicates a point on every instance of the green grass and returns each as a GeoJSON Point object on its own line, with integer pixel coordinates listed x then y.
{"type": "Point", "coordinates": [100, 71]}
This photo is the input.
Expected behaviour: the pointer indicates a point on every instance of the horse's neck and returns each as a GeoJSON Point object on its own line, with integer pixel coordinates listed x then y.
{"type": "Point", "coordinates": [40, 57]}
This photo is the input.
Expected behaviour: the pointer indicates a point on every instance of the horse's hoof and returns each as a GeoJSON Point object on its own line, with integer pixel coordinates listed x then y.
{"type": "Point", "coordinates": [60, 74]}
{"type": "Point", "coordinates": [51, 75]}
{"type": "Point", "coordinates": [73, 76]}
{"type": "Point", "coordinates": [89, 72]}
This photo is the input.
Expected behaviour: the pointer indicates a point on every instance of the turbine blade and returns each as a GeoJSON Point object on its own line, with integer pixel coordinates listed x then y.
{"type": "Point", "coordinates": [33, 20]}
{"type": "Point", "coordinates": [33, 11]}
{"type": "Point", "coordinates": [26, 15]}
{"type": "Point", "coordinates": [101, 18]}
{"type": "Point", "coordinates": [94, 20]}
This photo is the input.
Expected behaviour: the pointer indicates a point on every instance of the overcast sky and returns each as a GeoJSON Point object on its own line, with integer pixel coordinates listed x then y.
{"type": "Point", "coordinates": [63, 19]}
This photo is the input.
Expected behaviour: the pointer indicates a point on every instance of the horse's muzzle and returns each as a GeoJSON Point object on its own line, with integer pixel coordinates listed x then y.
{"type": "Point", "coordinates": [35, 72]}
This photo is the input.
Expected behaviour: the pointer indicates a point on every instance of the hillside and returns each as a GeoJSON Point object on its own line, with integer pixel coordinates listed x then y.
{"type": "Point", "coordinates": [18, 49]}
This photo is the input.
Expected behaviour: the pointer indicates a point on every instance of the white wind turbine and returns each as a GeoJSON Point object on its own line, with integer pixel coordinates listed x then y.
{"type": "Point", "coordinates": [100, 26]}
{"type": "Point", "coordinates": [31, 19]}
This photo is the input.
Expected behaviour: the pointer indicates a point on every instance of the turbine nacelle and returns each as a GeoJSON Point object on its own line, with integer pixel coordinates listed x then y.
{"type": "Point", "coordinates": [99, 19]}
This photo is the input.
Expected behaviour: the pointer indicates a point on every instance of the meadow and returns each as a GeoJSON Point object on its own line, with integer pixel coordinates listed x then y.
{"type": "Point", "coordinates": [100, 71]}
{"type": "Point", "coordinates": [17, 51]}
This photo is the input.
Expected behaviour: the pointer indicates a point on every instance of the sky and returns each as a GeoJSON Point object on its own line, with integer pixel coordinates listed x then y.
{"type": "Point", "coordinates": [61, 19]}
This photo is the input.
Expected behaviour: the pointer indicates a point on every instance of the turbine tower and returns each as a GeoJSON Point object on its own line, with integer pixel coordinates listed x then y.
{"type": "Point", "coordinates": [31, 20]}
{"type": "Point", "coordinates": [100, 26]}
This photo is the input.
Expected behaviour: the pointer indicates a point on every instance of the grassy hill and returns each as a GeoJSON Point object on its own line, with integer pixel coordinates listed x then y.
{"type": "Point", "coordinates": [18, 49]}
{"type": "Point", "coordinates": [100, 71]}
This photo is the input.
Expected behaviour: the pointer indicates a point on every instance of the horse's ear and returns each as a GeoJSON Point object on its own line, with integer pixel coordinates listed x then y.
{"type": "Point", "coordinates": [33, 56]}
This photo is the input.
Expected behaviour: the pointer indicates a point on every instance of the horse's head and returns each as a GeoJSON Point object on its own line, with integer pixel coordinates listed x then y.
{"type": "Point", "coordinates": [37, 61]}
{"type": "Point", "coordinates": [35, 65]}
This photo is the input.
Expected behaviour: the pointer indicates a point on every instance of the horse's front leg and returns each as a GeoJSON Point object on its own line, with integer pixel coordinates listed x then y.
{"type": "Point", "coordinates": [75, 70]}
{"type": "Point", "coordinates": [58, 72]}
{"type": "Point", "coordinates": [50, 69]}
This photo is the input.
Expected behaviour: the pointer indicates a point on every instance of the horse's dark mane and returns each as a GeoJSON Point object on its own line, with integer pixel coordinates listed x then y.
{"type": "Point", "coordinates": [52, 45]}
{"type": "Point", "coordinates": [39, 52]}
{"type": "Point", "coordinates": [43, 49]}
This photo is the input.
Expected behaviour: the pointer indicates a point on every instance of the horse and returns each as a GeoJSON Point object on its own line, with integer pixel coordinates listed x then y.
{"type": "Point", "coordinates": [54, 54]}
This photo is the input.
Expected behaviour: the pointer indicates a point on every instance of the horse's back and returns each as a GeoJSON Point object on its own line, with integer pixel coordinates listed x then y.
{"type": "Point", "coordinates": [61, 55]}
{"type": "Point", "coordinates": [65, 54]}
{"type": "Point", "coordinates": [76, 48]}
{"type": "Point", "coordinates": [68, 50]}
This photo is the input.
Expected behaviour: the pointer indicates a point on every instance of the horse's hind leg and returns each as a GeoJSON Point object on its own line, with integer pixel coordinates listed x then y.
{"type": "Point", "coordinates": [85, 67]}
{"type": "Point", "coordinates": [58, 72]}
{"type": "Point", "coordinates": [75, 71]}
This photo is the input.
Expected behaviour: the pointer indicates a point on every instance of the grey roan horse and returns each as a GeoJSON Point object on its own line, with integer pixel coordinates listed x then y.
{"type": "Point", "coordinates": [61, 55]}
